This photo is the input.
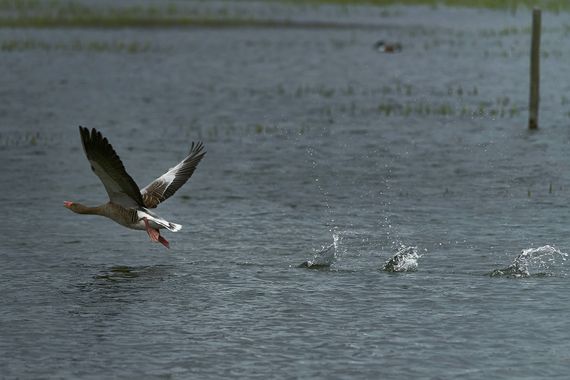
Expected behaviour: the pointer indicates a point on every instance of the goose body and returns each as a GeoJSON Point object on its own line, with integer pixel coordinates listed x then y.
{"type": "Point", "coordinates": [128, 205]}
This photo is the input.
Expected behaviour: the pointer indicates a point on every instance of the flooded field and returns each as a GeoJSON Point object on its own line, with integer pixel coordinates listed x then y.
{"type": "Point", "coordinates": [358, 214]}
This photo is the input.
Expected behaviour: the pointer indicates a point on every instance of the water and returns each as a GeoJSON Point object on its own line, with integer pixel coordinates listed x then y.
{"type": "Point", "coordinates": [405, 260]}
{"type": "Point", "coordinates": [314, 140]}
{"type": "Point", "coordinates": [542, 261]}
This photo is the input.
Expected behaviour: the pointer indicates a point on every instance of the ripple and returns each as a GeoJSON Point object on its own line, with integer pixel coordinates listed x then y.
{"type": "Point", "coordinates": [126, 273]}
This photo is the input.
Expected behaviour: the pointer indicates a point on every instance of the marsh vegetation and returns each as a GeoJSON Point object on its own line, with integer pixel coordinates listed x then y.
{"type": "Point", "coordinates": [77, 13]}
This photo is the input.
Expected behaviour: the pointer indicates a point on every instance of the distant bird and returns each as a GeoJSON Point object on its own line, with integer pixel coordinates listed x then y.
{"type": "Point", "coordinates": [128, 205]}
{"type": "Point", "coordinates": [385, 47]}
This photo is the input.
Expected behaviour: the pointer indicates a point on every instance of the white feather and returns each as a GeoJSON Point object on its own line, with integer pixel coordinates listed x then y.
{"type": "Point", "coordinates": [157, 222]}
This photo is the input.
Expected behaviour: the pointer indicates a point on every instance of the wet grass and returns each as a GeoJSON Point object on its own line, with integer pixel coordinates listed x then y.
{"type": "Point", "coordinates": [401, 99]}
{"type": "Point", "coordinates": [335, 110]}
{"type": "Point", "coordinates": [447, 109]}
{"type": "Point", "coordinates": [56, 13]}
{"type": "Point", "coordinates": [103, 21]}
{"type": "Point", "coordinates": [73, 14]}
{"type": "Point", "coordinates": [19, 139]}
{"type": "Point", "coordinates": [14, 45]}
{"type": "Point", "coordinates": [59, 13]}
{"type": "Point", "coordinates": [395, 101]}
{"type": "Point", "coordinates": [512, 5]}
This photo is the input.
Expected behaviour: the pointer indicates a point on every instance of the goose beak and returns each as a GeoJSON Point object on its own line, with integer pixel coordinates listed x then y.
{"type": "Point", "coordinates": [67, 204]}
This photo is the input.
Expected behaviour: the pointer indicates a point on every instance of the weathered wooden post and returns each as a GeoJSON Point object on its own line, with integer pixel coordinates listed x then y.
{"type": "Point", "coordinates": [534, 70]}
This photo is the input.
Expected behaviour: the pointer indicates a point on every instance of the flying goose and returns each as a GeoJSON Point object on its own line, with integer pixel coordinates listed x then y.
{"type": "Point", "coordinates": [128, 205]}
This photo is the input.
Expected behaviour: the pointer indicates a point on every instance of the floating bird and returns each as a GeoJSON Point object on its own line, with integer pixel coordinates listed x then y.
{"type": "Point", "coordinates": [128, 205]}
{"type": "Point", "coordinates": [385, 47]}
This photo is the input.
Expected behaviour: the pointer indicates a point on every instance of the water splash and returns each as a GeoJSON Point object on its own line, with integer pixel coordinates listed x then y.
{"type": "Point", "coordinates": [542, 261]}
{"type": "Point", "coordinates": [405, 260]}
{"type": "Point", "coordinates": [327, 255]}
{"type": "Point", "coordinates": [322, 259]}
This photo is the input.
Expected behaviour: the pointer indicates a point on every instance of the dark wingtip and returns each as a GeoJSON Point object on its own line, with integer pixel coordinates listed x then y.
{"type": "Point", "coordinates": [96, 136]}
{"type": "Point", "coordinates": [84, 134]}
{"type": "Point", "coordinates": [197, 148]}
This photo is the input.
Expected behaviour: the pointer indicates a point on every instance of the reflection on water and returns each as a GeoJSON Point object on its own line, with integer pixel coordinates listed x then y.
{"type": "Point", "coordinates": [126, 273]}
{"type": "Point", "coordinates": [115, 287]}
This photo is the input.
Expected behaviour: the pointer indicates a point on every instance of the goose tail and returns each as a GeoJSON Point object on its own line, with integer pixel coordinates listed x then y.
{"type": "Point", "coordinates": [174, 227]}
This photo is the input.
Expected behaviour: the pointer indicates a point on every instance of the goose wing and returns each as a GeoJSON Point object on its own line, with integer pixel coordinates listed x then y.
{"type": "Point", "coordinates": [167, 184]}
{"type": "Point", "coordinates": [122, 189]}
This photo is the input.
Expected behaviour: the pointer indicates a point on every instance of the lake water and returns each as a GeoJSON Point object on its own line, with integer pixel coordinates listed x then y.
{"type": "Point", "coordinates": [315, 142]}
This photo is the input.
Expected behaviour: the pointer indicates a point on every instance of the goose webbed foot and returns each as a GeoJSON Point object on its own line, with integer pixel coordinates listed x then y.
{"type": "Point", "coordinates": [154, 234]}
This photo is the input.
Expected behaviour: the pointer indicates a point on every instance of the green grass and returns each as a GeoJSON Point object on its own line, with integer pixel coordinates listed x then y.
{"type": "Point", "coordinates": [13, 45]}
{"type": "Point", "coordinates": [103, 21]}
{"type": "Point", "coordinates": [549, 5]}
{"type": "Point", "coordinates": [70, 13]}
{"type": "Point", "coordinates": [59, 13]}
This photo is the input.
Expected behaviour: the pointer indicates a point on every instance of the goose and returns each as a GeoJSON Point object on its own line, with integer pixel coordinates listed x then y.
{"type": "Point", "coordinates": [128, 205]}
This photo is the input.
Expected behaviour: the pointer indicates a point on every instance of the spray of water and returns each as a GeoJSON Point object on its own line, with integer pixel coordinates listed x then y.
{"type": "Point", "coordinates": [326, 256]}
{"type": "Point", "coordinates": [350, 244]}
{"type": "Point", "coordinates": [542, 261]}
{"type": "Point", "coordinates": [405, 260]}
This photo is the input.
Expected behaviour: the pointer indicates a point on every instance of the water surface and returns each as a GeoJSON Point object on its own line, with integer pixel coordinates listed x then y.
{"type": "Point", "coordinates": [313, 139]}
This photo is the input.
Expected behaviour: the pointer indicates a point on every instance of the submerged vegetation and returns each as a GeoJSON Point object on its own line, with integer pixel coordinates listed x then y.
{"type": "Point", "coordinates": [28, 138]}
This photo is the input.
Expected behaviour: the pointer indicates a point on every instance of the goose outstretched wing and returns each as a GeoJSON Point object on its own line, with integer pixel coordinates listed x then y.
{"type": "Point", "coordinates": [107, 165]}
{"type": "Point", "coordinates": [167, 184]}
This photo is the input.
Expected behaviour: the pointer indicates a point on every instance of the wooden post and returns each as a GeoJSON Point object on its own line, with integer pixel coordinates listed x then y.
{"type": "Point", "coordinates": [534, 70]}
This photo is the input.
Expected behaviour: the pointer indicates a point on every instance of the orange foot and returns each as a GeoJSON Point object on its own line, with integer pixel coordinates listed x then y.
{"type": "Point", "coordinates": [163, 241]}
{"type": "Point", "coordinates": [155, 234]}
